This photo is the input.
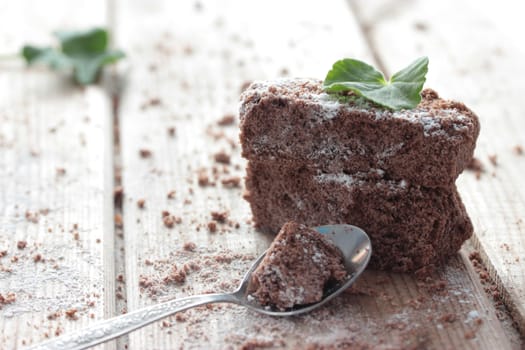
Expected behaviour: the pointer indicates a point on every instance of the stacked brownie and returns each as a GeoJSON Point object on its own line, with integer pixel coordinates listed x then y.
{"type": "Point", "coordinates": [321, 159]}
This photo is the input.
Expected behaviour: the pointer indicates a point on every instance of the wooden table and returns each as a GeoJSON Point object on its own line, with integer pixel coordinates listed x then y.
{"type": "Point", "coordinates": [72, 254]}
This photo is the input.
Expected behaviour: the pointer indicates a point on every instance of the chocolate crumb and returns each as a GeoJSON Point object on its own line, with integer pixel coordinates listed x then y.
{"type": "Point", "coordinates": [21, 244]}
{"type": "Point", "coordinates": [72, 314]}
{"type": "Point", "coordinates": [175, 276]}
{"type": "Point", "coordinates": [228, 119]}
{"type": "Point", "coordinates": [202, 178]}
{"type": "Point", "coordinates": [450, 318]}
{"type": "Point", "coordinates": [118, 195]}
{"type": "Point", "coordinates": [493, 158]}
{"type": "Point", "coordinates": [219, 216]}
{"type": "Point", "coordinates": [37, 258]}
{"type": "Point", "coordinates": [518, 150]}
{"type": "Point", "coordinates": [60, 171]}
{"type": "Point", "coordinates": [141, 203]}
{"type": "Point", "coordinates": [171, 194]}
{"type": "Point", "coordinates": [145, 153]}
{"type": "Point", "coordinates": [189, 246]}
{"type": "Point", "coordinates": [171, 131]}
{"type": "Point", "coordinates": [9, 298]}
{"type": "Point", "coordinates": [222, 157]}
{"type": "Point", "coordinates": [231, 182]}
{"type": "Point", "coordinates": [212, 226]}
{"type": "Point", "coordinates": [180, 317]}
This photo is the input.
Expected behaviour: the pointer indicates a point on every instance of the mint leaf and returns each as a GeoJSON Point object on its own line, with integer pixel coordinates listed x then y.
{"type": "Point", "coordinates": [85, 52]}
{"type": "Point", "coordinates": [402, 91]}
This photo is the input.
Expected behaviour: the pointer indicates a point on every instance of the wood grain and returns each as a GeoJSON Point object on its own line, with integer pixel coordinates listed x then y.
{"type": "Point", "coordinates": [473, 58]}
{"type": "Point", "coordinates": [54, 192]}
{"type": "Point", "coordinates": [186, 69]}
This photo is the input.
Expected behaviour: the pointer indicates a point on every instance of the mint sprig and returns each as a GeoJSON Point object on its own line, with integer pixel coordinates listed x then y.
{"type": "Point", "coordinates": [85, 52]}
{"type": "Point", "coordinates": [402, 91]}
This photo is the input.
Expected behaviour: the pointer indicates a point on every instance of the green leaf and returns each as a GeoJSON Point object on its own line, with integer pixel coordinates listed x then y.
{"type": "Point", "coordinates": [85, 52]}
{"type": "Point", "coordinates": [48, 55]}
{"type": "Point", "coordinates": [82, 43]}
{"type": "Point", "coordinates": [402, 91]}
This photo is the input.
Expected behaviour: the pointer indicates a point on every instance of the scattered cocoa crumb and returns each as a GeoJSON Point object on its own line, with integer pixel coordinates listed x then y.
{"type": "Point", "coordinates": [145, 281]}
{"type": "Point", "coordinates": [53, 316]}
{"type": "Point", "coordinates": [32, 216]}
{"type": "Point", "coordinates": [212, 226]}
{"type": "Point", "coordinates": [180, 317]}
{"type": "Point", "coordinates": [420, 26]}
{"type": "Point", "coordinates": [118, 195]}
{"type": "Point", "coordinates": [60, 171]}
{"type": "Point", "coordinates": [231, 182]}
{"type": "Point", "coordinates": [219, 216]}
{"type": "Point", "coordinates": [9, 298]}
{"type": "Point", "coordinates": [171, 131]}
{"type": "Point", "coordinates": [3, 253]}
{"type": "Point", "coordinates": [120, 278]}
{"type": "Point", "coordinates": [154, 101]}
{"type": "Point", "coordinates": [450, 318]}
{"type": "Point", "coordinates": [171, 194]}
{"type": "Point", "coordinates": [254, 344]}
{"type": "Point", "coordinates": [21, 244]}
{"type": "Point", "coordinates": [58, 331]}
{"type": "Point", "coordinates": [189, 246]}
{"type": "Point", "coordinates": [118, 220]}
{"type": "Point", "coordinates": [518, 150]}
{"type": "Point", "coordinates": [145, 153]}
{"type": "Point", "coordinates": [476, 166]}
{"type": "Point", "coordinates": [175, 276]}
{"type": "Point", "coordinates": [71, 314]}
{"type": "Point", "coordinates": [169, 219]}
{"type": "Point", "coordinates": [222, 157]}
{"type": "Point", "coordinates": [203, 179]}
{"type": "Point", "coordinates": [37, 258]}
{"type": "Point", "coordinates": [470, 334]}
{"type": "Point", "coordinates": [141, 203]}
{"type": "Point", "coordinates": [228, 119]}
{"type": "Point", "coordinates": [493, 158]}
{"type": "Point", "coordinates": [166, 324]}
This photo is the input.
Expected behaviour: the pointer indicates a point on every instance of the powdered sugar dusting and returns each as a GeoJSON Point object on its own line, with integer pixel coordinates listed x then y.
{"type": "Point", "coordinates": [310, 91]}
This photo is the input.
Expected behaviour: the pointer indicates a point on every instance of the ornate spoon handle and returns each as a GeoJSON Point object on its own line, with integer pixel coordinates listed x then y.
{"type": "Point", "coordinates": [114, 327]}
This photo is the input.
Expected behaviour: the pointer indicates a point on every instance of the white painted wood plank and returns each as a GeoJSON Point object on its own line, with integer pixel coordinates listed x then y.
{"type": "Point", "coordinates": [474, 58]}
{"type": "Point", "coordinates": [54, 189]}
{"type": "Point", "coordinates": [187, 65]}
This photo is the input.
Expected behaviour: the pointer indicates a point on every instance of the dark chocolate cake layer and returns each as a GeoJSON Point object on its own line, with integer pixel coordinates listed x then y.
{"type": "Point", "coordinates": [295, 120]}
{"type": "Point", "coordinates": [297, 267]}
{"type": "Point", "coordinates": [410, 226]}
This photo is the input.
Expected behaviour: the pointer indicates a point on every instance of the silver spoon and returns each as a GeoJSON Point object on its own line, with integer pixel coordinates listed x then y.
{"type": "Point", "coordinates": [351, 240]}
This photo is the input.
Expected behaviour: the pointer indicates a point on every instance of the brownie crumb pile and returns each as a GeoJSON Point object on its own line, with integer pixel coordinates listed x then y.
{"type": "Point", "coordinates": [297, 267]}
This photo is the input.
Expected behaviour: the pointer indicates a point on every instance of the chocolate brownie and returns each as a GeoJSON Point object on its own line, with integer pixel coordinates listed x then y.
{"type": "Point", "coordinates": [410, 226]}
{"type": "Point", "coordinates": [293, 120]}
{"type": "Point", "coordinates": [298, 265]}
{"type": "Point", "coordinates": [322, 159]}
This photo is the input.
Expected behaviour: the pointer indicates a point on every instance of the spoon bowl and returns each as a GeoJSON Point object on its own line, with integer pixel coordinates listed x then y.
{"type": "Point", "coordinates": [351, 240]}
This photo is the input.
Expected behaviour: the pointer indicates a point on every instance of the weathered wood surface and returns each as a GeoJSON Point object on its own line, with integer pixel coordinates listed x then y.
{"type": "Point", "coordinates": [476, 57]}
{"type": "Point", "coordinates": [54, 191]}
{"type": "Point", "coordinates": [186, 68]}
